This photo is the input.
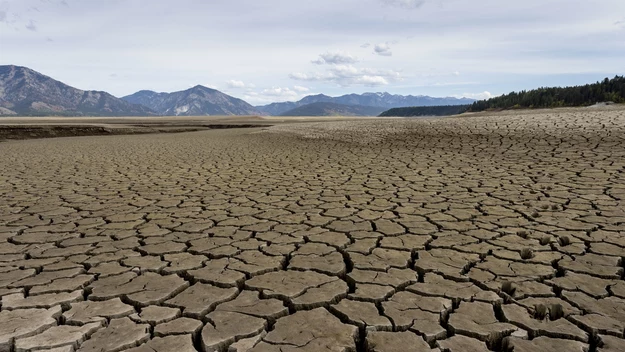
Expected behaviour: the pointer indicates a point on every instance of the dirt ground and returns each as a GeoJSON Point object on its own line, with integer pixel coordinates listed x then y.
{"type": "Point", "coordinates": [491, 232]}
{"type": "Point", "coordinates": [19, 128]}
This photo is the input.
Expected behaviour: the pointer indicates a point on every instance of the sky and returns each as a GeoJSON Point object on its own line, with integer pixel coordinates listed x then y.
{"type": "Point", "coordinates": [266, 51]}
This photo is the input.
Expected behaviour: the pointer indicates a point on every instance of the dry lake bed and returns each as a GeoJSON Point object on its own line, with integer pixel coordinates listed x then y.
{"type": "Point", "coordinates": [497, 232]}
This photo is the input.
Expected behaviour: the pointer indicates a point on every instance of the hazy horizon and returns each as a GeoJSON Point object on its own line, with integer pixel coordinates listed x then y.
{"type": "Point", "coordinates": [282, 51]}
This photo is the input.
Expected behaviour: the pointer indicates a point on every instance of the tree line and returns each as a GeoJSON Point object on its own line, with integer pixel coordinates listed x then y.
{"type": "Point", "coordinates": [589, 94]}
{"type": "Point", "coordinates": [414, 111]}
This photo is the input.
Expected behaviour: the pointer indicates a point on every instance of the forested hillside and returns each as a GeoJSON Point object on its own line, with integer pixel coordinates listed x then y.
{"type": "Point", "coordinates": [426, 111]}
{"type": "Point", "coordinates": [589, 94]}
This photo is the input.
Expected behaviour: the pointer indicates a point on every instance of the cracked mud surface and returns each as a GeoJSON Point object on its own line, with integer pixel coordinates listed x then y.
{"type": "Point", "coordinates": [490, 233]}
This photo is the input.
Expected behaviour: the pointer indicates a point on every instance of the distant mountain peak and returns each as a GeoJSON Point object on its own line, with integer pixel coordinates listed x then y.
{"type": "Point", "coordinates": [383, 100]}
{"type": "Point", "coordinates": [201, 87]}
{"type": "Point", "coordinates": [333, 109]}
{"type": "Point", "coordinates": [24, 91]}
{"type": "Point", "coordinates": [195, 101]}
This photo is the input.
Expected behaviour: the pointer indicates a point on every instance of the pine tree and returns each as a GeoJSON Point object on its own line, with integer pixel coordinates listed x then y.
{"type": "Point", "coordinates": [606, 90]}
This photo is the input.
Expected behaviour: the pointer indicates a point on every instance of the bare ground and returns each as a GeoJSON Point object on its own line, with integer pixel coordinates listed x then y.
{"type": "Point", "coordinates": [492, 232]}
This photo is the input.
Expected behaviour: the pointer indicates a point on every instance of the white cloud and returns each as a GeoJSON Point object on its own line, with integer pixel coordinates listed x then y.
{"type": "Point", "coordinates": [365, 45]}
{"type": "Point", "coordinates": [279, 92]}
{"type": "Point", "coordinates": [348, 75]}
{"type": "Point", "coordinates": [31, 26]}
{"type": "Point", "coordinates": [450, 84]}
{"type": "Point", "coordinates": [239, 84]}
{"type": "Point", "coordinates": [276, 94]}
{"type": "Point", "coordinates": [478, 96]}
{"type": "Point", "coordinates": [301, 89]}
{"type": "Point", "coordinates": [383, 49]}
{"type": "Point", "coordinates": [4, 11]}
{"type": "Point", "coordinates": [456, 73]}
{"type": "Point", "coordinates": [372, 81]}
{"type": "Point", "coordinates": [406, 4]}
{"type": "Point", "coordinates": [302, 76]}
{"type": "Point", "coordinates": [519, 48]}
{"type": "Point", "coordinates": [335, 58]}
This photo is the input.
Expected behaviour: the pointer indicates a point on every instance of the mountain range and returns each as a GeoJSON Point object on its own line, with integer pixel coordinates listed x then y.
{"type": "Point", "coordinates": [380, 100]}
{"type": "Point", "coordinates": [26, 92]}
{"type": "Point", "coordinates": [333, 109]}
{"type": "Point", "coordinates": [195, 101]}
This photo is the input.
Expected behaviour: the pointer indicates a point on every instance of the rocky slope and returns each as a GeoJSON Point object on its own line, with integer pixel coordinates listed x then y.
{"type": "Point", "coordinates": [195, 101]}
{"type": "Point", "coordinates": [26, 92]}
